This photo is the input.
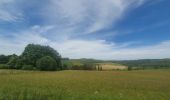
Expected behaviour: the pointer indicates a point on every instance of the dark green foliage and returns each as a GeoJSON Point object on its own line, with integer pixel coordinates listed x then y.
{"type": "Point", "coordinates": [76, 67]}
{"type": "Point", "coordinates": [65, 67]}
{"type": "Point", "coordinates": [34, 52]}
{"type": "Point", "coordinates": [19, 63]}
{"type": "Point", "coordinates": [83, 67]}
{"type": "Point", "coordinates": [87, 61]}
{"type": "Point", "coordinates": [88, 67]}
{"type": "Point", "coordinates": [47, 63]}
{"type": "Point", "coordinates": [80, 64]}
{"type": "Point", "coordinates": [30, 57]}
{"type": "Point", "coordinates": [28, 67]}
{"type": "Point", "coordinates": [4, 66]}
{"type": "Point", "coordinates": [15, 62]}
{"type": "Point", "coordinates": [5, 59]}
{"type": "Point", "coordinates": [12, 62]}
{"type": "Point", "coordinates": [129, 68]}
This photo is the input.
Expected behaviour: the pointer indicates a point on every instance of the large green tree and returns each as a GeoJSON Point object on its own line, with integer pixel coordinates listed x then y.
{"type": "Point", "coordinates": [33, 53]}
{"type": "Point", "coordinates": [47, 63]}
{"type": "Point", "coordinates": [5, 59]}
{"type": "Point", "coordinates": [12, 62]}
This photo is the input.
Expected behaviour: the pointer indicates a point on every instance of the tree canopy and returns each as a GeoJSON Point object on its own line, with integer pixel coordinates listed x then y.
{"type": "Point", "coordinates": [34, 57]}
{"type": "Point", "coordinates": [33, 53]}
{"type": "Point", "coordinates": [5, 59]}
{"type": "Point", "coordinates": [47, 63]}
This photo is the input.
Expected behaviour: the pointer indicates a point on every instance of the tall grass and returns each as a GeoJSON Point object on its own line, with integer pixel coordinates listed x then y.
{"type": "Point", "coordinates": [85, 85]}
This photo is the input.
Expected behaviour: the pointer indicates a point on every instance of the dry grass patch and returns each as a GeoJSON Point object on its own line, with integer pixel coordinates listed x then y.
{"type": "Point", "coordinates": [111, 66]}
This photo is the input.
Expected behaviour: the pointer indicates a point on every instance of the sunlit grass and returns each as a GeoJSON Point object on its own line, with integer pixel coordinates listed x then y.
{"type": "Point", "coordinates": [85, 85]}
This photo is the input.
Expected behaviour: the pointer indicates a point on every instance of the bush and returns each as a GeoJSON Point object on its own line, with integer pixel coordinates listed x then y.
{"type": "Point", "coordinates": [19, 64]}
{"type": "Point", "coordinates": [47, 63]}
{"type": "Point", "coordinates": [12, 62]}
{"type": "Point", "coordinates": [77, 67]}
{"type": "Point", "coordinates": [28, 67]}
{"type": "Point", "coordinates": [130, 68]}
{"type": "Point", "coordinates": [4, 59]}
{"type": "Point", "coordinates": [89, 67]}
{"type": "Point", "coordinates": [65, 67]}
{"type": "Point", "coordinates": [4, 66]}
{"type": "Point", "coordinates": [83, 67]}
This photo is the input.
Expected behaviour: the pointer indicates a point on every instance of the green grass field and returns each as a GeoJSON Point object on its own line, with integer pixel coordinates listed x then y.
{"type": "Point", "coordinates": [85, 85]}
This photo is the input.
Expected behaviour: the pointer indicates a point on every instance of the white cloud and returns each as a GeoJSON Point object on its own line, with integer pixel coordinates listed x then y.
{"type": "Point", "coordinates": [42, 29]}
{"type": "Point", "coordinates": [74, 48]}
{"type": "Point", "coordinates": [17, 41]}
{"type": "Point", "coordinates": [100, 49]}
{"type": "Point", "coordinates": [160, 50]}
{"type": "Point", "coordinates": [6, 16]}
{"type": "Point", "coordinates": [9, 11]}
{"type": "Point", "coordinates": [87, 16]}
{"type": "Point", "coordinates": [65, 18]}
{"type": "Point", "coordinates": [82, 48]}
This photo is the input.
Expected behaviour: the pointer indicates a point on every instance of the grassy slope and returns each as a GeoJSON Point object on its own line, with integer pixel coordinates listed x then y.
{"type": "Point", "coordinates": [85, 85]}
{"type": "Point", "coordinates": [135, 64]}
{"type": "Point", "coordinates": [81, 61]}
{"type": "Point", "coordinates": [88, 61]}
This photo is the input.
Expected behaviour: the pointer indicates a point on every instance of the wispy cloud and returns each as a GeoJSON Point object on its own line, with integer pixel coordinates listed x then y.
{"type": "Point", "coordinates": [87, 16]}
{"type": "Point", "coordinates": [100, 49]}
{"type": "Point", "coordinates": [65, 19]}
{"type": "Point", "coordinates": [9, 11]}
{"type": "Point", "coordinates": [75, 48]}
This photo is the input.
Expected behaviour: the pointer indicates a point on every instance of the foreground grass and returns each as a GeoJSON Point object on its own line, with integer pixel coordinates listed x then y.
{"type": "Point", "coordinates": [85, 85]}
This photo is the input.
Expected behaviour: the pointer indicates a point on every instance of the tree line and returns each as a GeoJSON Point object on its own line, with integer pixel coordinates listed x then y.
{"type": "Point", "coordinates": [34, 57]}
{"type": "Point", "coordinates": [45, 58]}
{"type": "Point", "coordinates": [146, 63]}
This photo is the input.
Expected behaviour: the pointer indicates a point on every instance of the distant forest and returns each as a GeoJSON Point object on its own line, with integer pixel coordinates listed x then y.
{"type": "Point", "coordinates": [133, 64]}
{"type": "Point", "coordinates": [146, 63]}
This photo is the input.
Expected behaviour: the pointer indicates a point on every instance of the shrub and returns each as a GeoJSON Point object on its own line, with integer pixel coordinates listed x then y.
{"type": "Point", "coordinates": [4, 66]}
{"type": "Point", "coordinates": [12, 62]}
{"type": "Point", "coordinates": [47, 63]}
{"type": "Point", "coordinates": [65, 67]}
{"type": "Point", "coordinates": [4, 59]}
{"type": "Point", "coordinates": [28, 67]}
{"type": "Point", "coordinates": [88, 67]}
{"type": "Point", "coordinates": [19, 64]}
{"type": "Point", "coordinates": [129, 68]}
{"type": "Point", "coordinates": [76, 67]}
{"type": "Point", "coordinates": [83, 67]}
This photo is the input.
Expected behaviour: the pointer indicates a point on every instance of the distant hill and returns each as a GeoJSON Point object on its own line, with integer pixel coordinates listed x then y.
{"type": "Point", "coordinates": [98, 64]}
{"type": "Point", "coordinates": [146, 63]}
{"type": "Point", "coordinates": [138, 64]}
{"type": "Point", "coordinates": [81, 61]}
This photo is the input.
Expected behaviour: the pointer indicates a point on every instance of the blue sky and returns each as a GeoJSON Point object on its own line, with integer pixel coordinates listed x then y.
{"type": "Point", "coordinates": [105, 29]}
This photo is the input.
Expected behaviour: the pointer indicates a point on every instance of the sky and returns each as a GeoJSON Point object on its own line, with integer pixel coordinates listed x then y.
{"type": "Point", "coordinates": [98, 29]}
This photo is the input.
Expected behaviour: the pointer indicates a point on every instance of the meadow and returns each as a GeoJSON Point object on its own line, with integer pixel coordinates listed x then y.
{"type": "Point", "coordinates": [85, 85]}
